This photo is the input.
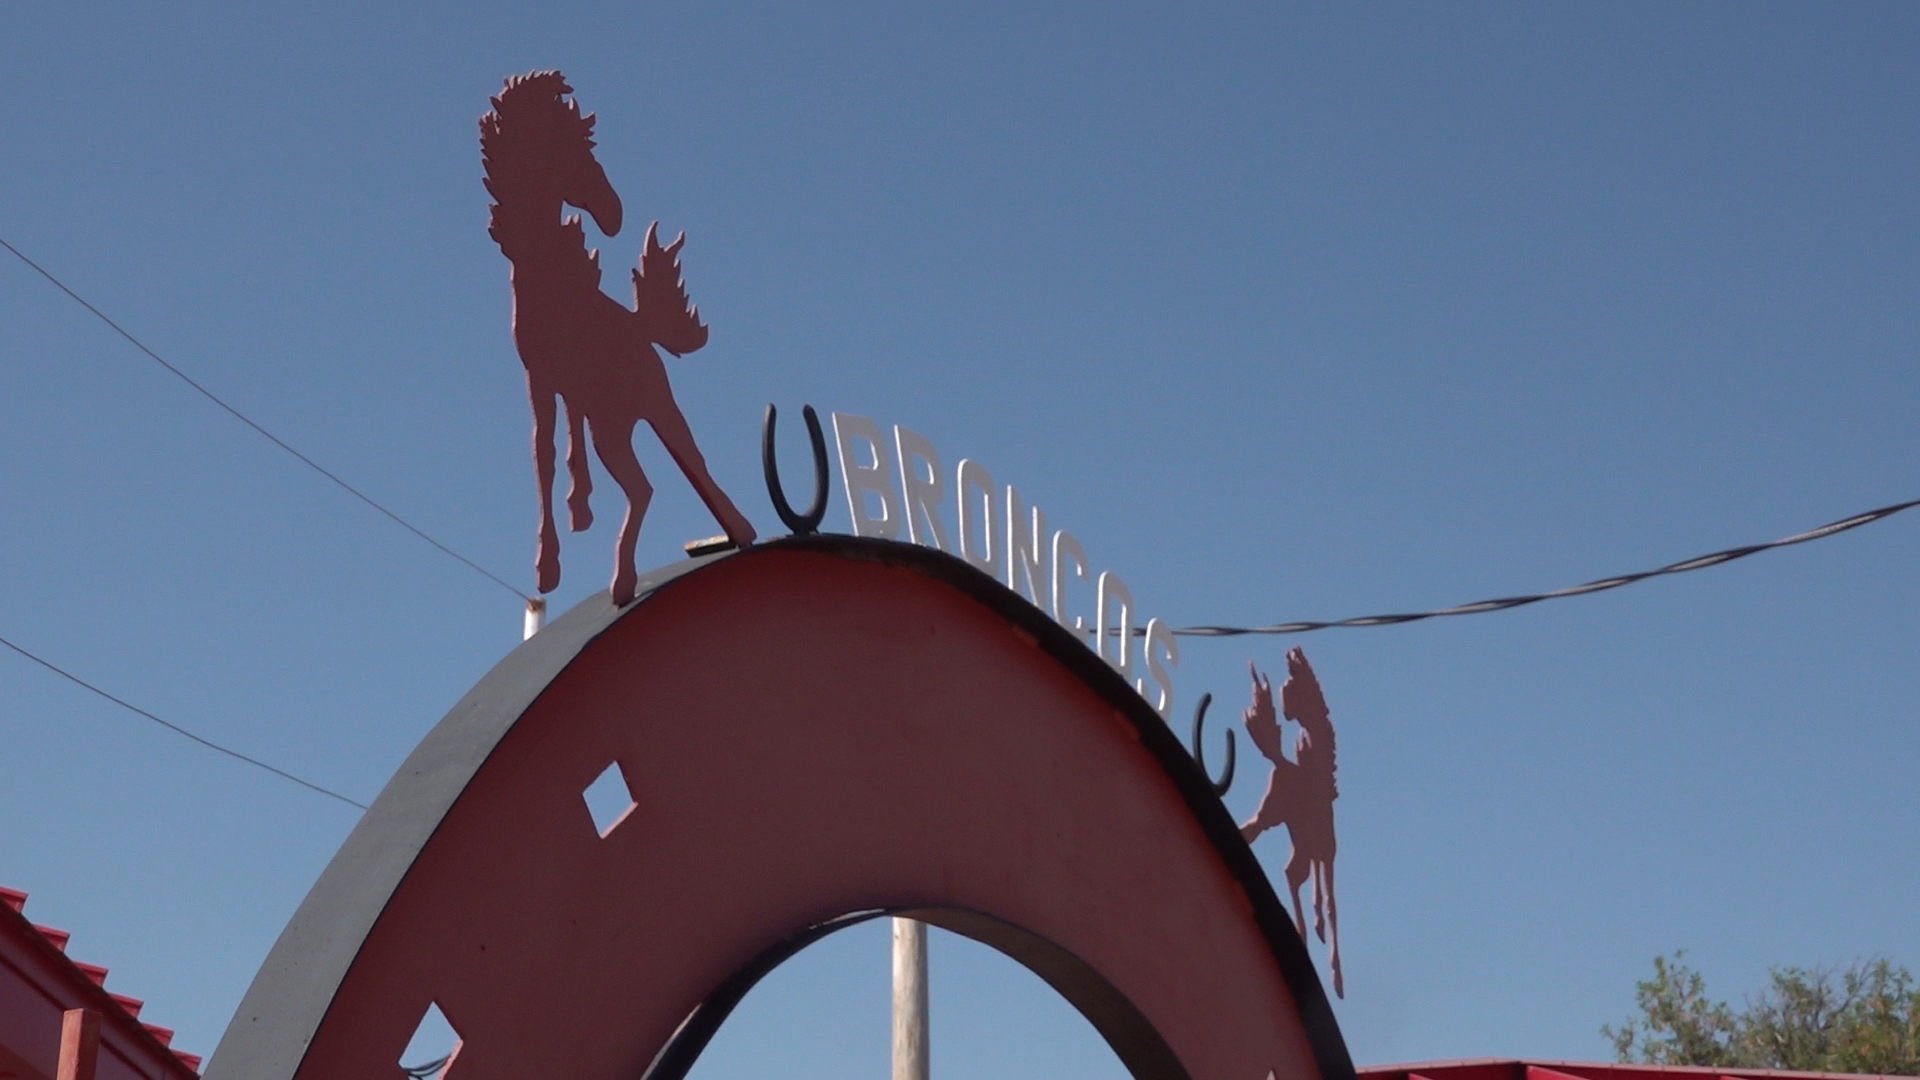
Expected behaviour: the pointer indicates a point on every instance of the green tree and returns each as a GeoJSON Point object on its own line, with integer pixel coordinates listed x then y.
{"type": "Point", "coordinates": [1864, 1018]}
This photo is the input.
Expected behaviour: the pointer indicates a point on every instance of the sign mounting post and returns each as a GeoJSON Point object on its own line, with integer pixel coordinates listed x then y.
{"type": "Point", "coordinates": [910, 1050]}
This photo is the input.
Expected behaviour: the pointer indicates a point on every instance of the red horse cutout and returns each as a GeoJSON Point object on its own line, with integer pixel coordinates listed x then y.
{"type": "Point", "coordinates": [1300, 793]}
{"type": "Point", "coordinates": [577, 343]}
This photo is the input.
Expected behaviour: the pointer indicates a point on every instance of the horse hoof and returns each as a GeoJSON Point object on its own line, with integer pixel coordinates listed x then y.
{"type": "Point", "coordinates": [623, 588]}
{"type": "Point", "coordinates": [549, 573]}
{"type": "Point", "coordinates": [579, 518]}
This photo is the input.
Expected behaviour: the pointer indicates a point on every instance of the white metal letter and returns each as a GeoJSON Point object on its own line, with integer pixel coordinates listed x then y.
{"type": "Point", "coordinates": [1026, 550]}
{"type": "Point", "coordinates": [974, 478]}
{"type": "Point", "coordinates": [924, 484]}
{"type": "Point", "coordinates": [1160, 641]}
{"type": "Point", "coordinates": [1065, 548]}
{"type": "Point", "coordinates": [860, 480]}
{"type": "Point", "coordinates": [1115, 604]}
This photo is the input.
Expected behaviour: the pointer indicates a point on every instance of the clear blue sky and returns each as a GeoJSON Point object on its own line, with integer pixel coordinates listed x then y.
{"type": "Point", "coordinates": [1292, 312]}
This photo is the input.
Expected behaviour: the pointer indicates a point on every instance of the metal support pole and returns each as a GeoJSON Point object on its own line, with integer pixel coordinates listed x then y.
{"type": "Point", "coordinates": [909, 1000]}
{"type": "Point", "coordinates": [536, 616]}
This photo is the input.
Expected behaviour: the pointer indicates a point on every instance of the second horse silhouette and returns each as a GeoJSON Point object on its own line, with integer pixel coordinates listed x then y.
{"type": "Point", "coordinates": [1300, 795]}
{"type": "Point", "coordinates": [580, 346]}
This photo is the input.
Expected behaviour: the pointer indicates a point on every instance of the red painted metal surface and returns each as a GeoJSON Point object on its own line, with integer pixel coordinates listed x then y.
{"type": "Point", "coordinates": [1512, 1069]}
{"type": "Point", "coordinates": [39, 985]}
{"type": "Point", "coordinates": [79, 1045]}
{"type": "Point", "coordinates": [806, 735]}
{"type": "Point", "coordinates": [1300, 795]}
{"type": "Point", "coordinates": [578, 344]}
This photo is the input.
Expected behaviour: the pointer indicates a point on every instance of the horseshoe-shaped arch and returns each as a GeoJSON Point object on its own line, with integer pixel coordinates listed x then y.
{"type": "Point", "coordinates": [813, 731]}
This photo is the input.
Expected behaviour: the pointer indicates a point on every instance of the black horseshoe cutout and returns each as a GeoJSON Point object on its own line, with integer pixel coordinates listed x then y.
{"type": "Point", "coordinates": [1221, 785]}
{"type": "Point", "coordinates": [802, 524]}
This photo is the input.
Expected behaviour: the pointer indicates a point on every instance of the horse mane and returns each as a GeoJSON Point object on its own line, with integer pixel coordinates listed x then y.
{"type": "Point", "coordinates": [531, 119]}
{"type": "Point", "coordinates": [1304, 703]}
{"type": "Point", "coordinates": [529, 115]}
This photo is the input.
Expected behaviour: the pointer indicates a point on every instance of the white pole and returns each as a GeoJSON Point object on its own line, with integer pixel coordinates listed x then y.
{"type": "Point", "coordinates": [536, 616]}
{"type": "Point", "coordinates": [909, 1000]}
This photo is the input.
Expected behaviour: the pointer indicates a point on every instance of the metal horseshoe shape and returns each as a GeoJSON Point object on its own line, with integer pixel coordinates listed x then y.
{"type": "Point", "coordinates": [802, 524]}
{"type": "Point", "coordinates": [1221, 785]}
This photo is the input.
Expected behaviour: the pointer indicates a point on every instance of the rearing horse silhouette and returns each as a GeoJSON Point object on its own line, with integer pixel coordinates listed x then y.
{"type": "Point", "coordinates": [1300, 794]}
{"type": "Point", "coordinates": [577, 343]}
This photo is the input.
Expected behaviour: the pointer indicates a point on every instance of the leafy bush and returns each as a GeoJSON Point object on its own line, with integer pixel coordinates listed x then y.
{"type": "Point", "coordinates": [1864, 1018]}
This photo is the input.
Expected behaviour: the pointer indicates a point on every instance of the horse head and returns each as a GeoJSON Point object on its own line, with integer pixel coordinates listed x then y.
{"type": "Point", "coordinates": [538, 149]}
{"type": "Point", "coordinates": [588, 188]}
{"type": "Point", "coordinates": [1300, 697]}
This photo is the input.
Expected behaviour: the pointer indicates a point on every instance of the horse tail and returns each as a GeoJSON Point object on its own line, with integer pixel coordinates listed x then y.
{"type": "Point", "coordinates": [660, 298]}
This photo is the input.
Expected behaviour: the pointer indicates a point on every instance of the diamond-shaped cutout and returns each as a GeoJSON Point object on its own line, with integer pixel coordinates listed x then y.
{"type": "Point", "coordinates": [609, 799]}
{"type": "Point", "coordinates": [432, 1047]}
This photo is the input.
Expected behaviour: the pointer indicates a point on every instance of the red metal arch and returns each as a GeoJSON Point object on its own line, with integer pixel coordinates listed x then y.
{"type": "Point", "coordinates": [810, 729]}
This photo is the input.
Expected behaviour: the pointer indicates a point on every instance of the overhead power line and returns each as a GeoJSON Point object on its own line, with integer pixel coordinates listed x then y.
{"type": "Point", "coordinates": [1481, 607]}
{"type": "Point", "coordinates": [264, 433]}
{"type": "Point", "coordinates": [177, 729]}
{"type": "Point", "coordinates": [1478, 607]}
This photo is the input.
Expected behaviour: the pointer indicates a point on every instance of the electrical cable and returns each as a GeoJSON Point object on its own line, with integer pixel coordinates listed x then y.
{"type": "Point", "coordinates": [268, 435]}
{"type": "Point", "coordinates": [1481, 607]}
{"type": "Point", "coordinates": [177, 729]}
{"type": "Point", "coordinates": [1478, 607]}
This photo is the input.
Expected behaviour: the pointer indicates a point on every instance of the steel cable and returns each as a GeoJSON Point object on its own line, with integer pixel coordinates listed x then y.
{"type": "Point", "coordinates": [178, 730]}
{"type": "Point", "coordinates": [1481, 607]}
{"type": "Point", "coordinates": [268, 435]}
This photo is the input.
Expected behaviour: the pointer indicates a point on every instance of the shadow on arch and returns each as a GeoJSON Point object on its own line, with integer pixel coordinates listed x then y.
{"type": "Point", "coordinates": [807, 733]}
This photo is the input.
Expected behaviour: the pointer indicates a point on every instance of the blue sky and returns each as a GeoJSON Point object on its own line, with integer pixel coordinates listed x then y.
{"type": "Point", "coordinates": [1287, 312]}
